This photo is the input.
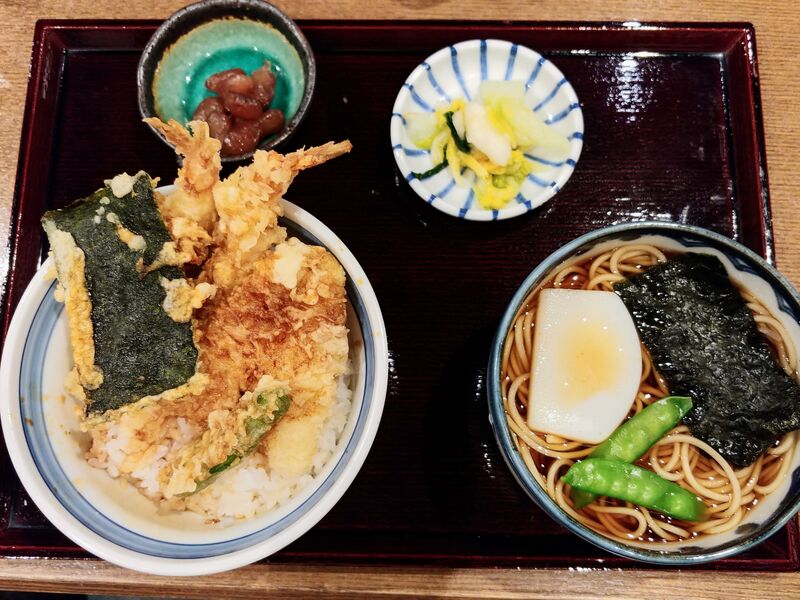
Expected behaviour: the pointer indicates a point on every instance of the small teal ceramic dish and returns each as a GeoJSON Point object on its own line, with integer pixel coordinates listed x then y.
{"type": "Point", "coordinates": [216, 35]}
{"type": "Point", "coordinates": [457, 72]}
{"type": "Point", "coordinates": [745, 269]}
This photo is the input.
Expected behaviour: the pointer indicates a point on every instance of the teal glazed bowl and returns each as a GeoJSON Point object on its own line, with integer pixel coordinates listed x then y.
{"type": "Point", "coordinates": [745, 268]}
{"type": "Point", "coordinates": [215, 35]}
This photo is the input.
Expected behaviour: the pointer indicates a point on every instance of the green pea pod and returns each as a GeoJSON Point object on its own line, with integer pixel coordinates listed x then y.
{"type": "Point", "coordinates": [269, 408]}
{"type": "Point", "coordinates": [632, 483]}
{"type": "Point", "coordinates": [631, 440]}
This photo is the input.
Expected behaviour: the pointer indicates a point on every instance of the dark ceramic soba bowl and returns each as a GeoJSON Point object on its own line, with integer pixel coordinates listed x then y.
{"type": "Point", "coordinates": [748, 270]}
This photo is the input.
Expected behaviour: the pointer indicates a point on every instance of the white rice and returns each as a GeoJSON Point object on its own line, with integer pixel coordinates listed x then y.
{"type": "Point", "coordinates": [250, 488]}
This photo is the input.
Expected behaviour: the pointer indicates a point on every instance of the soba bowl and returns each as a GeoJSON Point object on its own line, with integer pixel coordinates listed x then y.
{"type": "Point", "coordinates": [108, 517]}
{"type": "Point", "coordinates": [745, 269]}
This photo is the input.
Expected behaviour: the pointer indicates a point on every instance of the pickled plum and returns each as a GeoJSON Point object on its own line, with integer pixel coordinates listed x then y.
{"type": "Point", "coordinates": [216, 82]}
{"type": "Point", "coordinates": [207, 107]}
{"type": "Point", "coordinates": [265, 81]}
{"type": "Point", "coordinates": [236, 83]}
{"type": "Point", "coordinates": [242, 138]}
{"type": "Point", "coordinates": [271, 122]}
{"type": "Point", "coordinates": [263, 75]}
{"type": "Point", "coordinates": [219, 124]}
{"type": "Point", "coordinates": [240, 114]}
{"type": "Point", "coordinates": [242, 106]}
{"type": "Point", "coordinates": [264, 95]}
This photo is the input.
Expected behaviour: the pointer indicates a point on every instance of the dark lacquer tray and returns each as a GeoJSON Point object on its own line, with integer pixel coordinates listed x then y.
{"type": "Point", "coordinates": [673, 131]}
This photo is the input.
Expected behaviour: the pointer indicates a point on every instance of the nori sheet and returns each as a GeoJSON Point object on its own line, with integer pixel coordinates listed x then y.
{"type": "Point", "coordinates": [139, 348]}
{"type": "Point", "coordinates": [705, 343]}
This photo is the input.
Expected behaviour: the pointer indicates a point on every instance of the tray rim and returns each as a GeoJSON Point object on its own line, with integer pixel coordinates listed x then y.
{"type": "Point", "coordinates": [56, 31]}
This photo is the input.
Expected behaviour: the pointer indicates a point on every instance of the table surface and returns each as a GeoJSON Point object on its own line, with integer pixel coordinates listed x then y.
{"type": "Point", "coordinates": [778, 46]}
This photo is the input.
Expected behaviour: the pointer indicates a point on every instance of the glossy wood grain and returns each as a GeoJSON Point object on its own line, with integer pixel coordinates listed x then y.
{"type": "Point", "coordinates": [488, 583]}
{"type": "Point", "coordinates": [442, 282]}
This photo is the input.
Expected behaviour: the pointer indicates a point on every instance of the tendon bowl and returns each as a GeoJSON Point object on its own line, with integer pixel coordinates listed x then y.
{"type": "Point", "coordinates": [745, 268]}
{"type": "Point", "coordinates": [108, 517]}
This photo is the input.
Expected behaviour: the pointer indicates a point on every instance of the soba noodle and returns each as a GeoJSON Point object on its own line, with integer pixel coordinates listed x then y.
{"type": "Point", "coordinates": [680, 457]}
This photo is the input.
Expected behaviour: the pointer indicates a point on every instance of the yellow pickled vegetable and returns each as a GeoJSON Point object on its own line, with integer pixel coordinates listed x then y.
{"type": "Point", "coordinates": [497, 190]}
{"type": "Point", "coordinates": [489, 137]}
{"type": "Point", "coordinates": [454, 162]}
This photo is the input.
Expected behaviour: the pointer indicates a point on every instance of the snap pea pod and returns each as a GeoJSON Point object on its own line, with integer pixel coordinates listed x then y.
{"type": "Point", "coordinates": [268, 410]}
{"type": "Point", "coordinates": [632, 483]}
{"type": "Point", "coordinates": [631, 440]}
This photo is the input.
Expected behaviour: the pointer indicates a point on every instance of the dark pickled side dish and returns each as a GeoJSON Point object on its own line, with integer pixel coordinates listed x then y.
{"type": "Point", "coordinates": [705, 343]}
{"type": "Point", "coordinates": [139, 349]}
{"type": "Point", "coordinates": [240, 115]}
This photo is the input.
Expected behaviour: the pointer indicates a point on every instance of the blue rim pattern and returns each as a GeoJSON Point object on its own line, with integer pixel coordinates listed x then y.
{"type": "Point", "coordinates": [565, 167]}
{"type": "Point", "coordinates": [689, 236]}
{"type": "Point", "coordinates": [44, 457]}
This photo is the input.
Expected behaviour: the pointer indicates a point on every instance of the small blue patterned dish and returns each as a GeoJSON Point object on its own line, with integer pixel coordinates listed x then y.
{"type": "Point", "coordinates": [456, 72]}
{"type": "Point", "coordinates": [744, 268]}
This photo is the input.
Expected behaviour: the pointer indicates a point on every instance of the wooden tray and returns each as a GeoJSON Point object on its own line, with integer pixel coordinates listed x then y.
{"type": "Point", "coordinates": [673, 132]}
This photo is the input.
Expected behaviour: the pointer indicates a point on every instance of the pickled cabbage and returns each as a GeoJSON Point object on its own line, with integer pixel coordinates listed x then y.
{"type": "Point", "coordinates": [489, 137]}
{"type": "Point", "coordinates": [421, 128]}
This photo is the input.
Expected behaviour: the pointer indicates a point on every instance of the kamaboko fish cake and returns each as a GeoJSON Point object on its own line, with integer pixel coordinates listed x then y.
{"type": "Point", "coordinates": [108, 252]}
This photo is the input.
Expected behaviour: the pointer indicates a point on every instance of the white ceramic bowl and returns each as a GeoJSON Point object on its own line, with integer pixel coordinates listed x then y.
{"type": "Point", "coordinates": [456, 72]}
{"type": "Point", "coordinates": [107, 516]}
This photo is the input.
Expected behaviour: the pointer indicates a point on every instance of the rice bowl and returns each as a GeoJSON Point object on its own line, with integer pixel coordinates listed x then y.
{"type": "Point", "coordinates": [109, 519]}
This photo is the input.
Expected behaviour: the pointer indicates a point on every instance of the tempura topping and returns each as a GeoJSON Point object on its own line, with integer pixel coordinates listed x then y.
{"type": "Point", "coordinates": [267, 317]}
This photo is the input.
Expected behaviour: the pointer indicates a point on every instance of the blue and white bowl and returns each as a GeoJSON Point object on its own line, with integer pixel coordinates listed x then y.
{"type": "Point", "coordinates": [744, 268]}
{"type": "Point", "coordinates": [456, 72]}
{"type": "Point", "coordinates": [107, 516]}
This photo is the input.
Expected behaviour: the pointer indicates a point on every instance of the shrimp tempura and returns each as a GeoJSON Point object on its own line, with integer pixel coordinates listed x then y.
{"type": "Point", "coordinates": [248, 206]}
{"type": "Point", "coordinates": [189, 211]}
{"type": "Point", "coordinates": [237, 216]}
